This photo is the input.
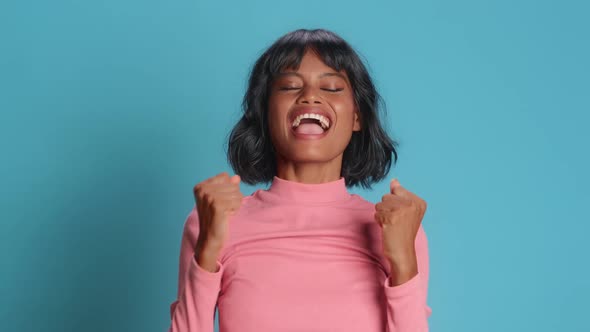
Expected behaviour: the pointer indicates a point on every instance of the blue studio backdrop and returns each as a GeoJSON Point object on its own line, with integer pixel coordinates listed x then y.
{"type": "Point", "coordinates": [111, 111]}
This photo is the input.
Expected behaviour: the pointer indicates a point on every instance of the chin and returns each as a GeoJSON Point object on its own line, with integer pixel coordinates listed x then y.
{"type": "Point", "coordinates": [310, 155]}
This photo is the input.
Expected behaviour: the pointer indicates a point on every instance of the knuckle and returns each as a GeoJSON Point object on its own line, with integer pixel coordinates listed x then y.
{"type": "Point", "coordinates": [208, 198]}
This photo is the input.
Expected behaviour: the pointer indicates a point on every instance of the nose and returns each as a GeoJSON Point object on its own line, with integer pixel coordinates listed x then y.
{"type": "Point", "coordinates": [308, 95]}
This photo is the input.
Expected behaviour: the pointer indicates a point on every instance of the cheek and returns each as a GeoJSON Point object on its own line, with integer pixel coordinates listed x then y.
{"type": "Point", "coordinates": [345, 116]}
{"type": "Point", "coordinates": [275, 126]}
{"type": "Point", "coordinates": [277, 120]}
{"type": "Point", "coordinates": [278, 108]}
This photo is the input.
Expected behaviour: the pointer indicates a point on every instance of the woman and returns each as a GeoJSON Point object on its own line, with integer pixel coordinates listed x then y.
{"type": "Point", "coordinates": [305, 254]}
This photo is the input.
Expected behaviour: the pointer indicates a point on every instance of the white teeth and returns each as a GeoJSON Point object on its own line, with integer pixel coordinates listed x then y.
{"type": "Point", "coordinates": [325, 122]}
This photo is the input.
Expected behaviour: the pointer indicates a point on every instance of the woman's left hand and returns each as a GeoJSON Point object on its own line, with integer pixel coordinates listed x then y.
{"type": "Point", "coordinates": [400, 214]}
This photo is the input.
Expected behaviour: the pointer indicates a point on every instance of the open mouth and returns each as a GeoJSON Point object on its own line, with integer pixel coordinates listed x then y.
{"type": "Point", "coordinates": [310, 125]}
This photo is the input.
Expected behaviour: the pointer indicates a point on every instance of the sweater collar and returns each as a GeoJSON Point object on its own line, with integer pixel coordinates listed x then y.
{"type": "Point", "coordinates": [293, 191]}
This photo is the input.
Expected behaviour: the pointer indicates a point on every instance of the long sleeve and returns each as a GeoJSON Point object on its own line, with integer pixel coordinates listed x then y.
{"type": "Point", "coordinates": [198, 289]}
{"type": "Point", "coordinates": [407, 309]}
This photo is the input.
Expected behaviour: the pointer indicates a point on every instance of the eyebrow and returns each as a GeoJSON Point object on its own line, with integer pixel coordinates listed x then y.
{"type": "Point", "coordinates": [291, 73]}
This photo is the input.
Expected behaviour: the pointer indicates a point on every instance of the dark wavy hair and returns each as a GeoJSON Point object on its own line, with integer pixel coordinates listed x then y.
{"type": "Point", "coordinates": [367, 158]}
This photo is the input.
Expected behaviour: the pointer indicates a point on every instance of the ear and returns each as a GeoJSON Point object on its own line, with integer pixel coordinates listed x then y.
{"type": "Point", "coordinates": [357, 122]}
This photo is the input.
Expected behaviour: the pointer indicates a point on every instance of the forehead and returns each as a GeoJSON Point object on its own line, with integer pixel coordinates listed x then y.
{"type": "Point", "coordinates": [311, 63]}
{"type": "Point", "coordinates": [318, 74]}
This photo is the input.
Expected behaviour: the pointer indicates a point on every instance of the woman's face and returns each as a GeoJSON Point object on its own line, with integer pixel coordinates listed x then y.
{"type": "Point", "coordinates": [307, 91]}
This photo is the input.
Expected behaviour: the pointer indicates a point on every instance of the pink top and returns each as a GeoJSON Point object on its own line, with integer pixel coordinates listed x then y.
{"type": "Point", "coordinates": [299, 257]}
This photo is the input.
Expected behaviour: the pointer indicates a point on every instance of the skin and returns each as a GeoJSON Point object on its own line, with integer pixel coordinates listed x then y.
{"type": "Point", "coordinates": [311, 161]}
{"type": "Point", "coordinates": [400, 214]}
{"type": "Point", "coordinates": [400, 211]}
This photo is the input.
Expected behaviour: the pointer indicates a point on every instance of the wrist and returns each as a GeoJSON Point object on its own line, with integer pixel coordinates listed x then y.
{"type": "Point", "coordinates": [401, 276]}
{"type": "Point", "coordinates": [207, 261]}
{"type": "Point", "coordinates": [208, 245]}
{"type": "Point", "coordinates": [207, 256]}
{"type": "Point", "coordinates": [402, 259]}
{"type": "Point", "coordinates": [402, 269]}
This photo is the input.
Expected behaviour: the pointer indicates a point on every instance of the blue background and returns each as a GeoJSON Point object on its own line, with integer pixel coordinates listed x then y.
{"type": "Point", "coordinates": [111, 111]}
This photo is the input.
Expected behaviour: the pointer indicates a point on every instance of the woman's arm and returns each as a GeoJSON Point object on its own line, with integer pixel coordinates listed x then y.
{"type": "Point", "coordinates": [198, 288]}
{"type": "Point", "coordinates": [407, 310]}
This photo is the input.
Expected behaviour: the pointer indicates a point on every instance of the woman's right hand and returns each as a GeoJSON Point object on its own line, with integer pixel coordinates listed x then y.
{"type": "Point", "coordinates": [217, 198]}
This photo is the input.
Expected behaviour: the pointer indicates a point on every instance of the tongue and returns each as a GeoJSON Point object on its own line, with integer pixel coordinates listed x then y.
{"type": "Point", "coordinates": [309, 128]}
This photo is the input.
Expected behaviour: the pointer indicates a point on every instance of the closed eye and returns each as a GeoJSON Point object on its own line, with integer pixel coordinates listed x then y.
{"type": "Point", "coordinates": [331, 90]}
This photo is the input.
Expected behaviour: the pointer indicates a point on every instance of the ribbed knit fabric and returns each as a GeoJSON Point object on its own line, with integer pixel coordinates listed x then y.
{"type": "Point", "coordinates": [299, 257]}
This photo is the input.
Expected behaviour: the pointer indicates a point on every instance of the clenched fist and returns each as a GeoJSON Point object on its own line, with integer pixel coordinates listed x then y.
{"type": "Point", "coordinates": [400, 214]}
{"type": "Point", "coordinates": [217, 198]}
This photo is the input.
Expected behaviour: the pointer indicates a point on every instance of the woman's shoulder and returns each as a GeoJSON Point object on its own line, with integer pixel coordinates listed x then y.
{"type": "Point", "coordinates": [360, 202]}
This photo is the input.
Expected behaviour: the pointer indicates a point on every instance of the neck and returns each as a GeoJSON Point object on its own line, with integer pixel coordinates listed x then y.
{"type": "Point", "coordinates": [309, 172]}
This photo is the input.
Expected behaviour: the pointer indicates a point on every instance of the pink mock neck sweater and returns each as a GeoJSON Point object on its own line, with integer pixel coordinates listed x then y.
{"type": "Point", "coordinates": [299, 257]}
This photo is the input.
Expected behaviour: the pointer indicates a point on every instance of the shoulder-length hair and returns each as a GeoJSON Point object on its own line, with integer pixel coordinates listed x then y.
{"type": "Point", "coordinates": [367, 158]}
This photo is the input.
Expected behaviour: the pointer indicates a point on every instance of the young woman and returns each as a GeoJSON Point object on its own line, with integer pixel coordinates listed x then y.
{"type": "Point", "coordinates": [305, 254]}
